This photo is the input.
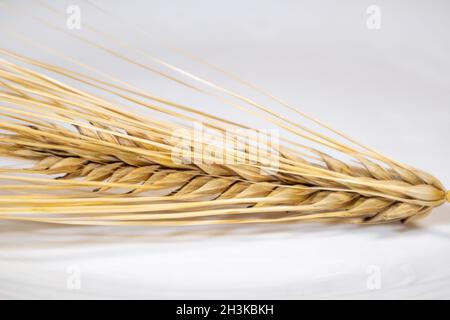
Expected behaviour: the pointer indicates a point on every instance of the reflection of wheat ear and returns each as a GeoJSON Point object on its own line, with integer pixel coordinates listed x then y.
{"type": "Point", "coordinates": [95, 163]}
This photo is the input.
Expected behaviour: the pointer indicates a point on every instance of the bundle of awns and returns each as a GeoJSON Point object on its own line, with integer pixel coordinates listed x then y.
{"type": "Point", "coordinates": [81, 158]}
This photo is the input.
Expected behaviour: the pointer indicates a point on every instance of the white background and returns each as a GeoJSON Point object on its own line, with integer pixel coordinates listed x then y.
{"type": "Point", "coordinates": [389, 88]}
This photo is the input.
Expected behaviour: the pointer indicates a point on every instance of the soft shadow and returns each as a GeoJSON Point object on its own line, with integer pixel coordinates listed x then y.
{"type": "Point", "coordinates": [35, 235]}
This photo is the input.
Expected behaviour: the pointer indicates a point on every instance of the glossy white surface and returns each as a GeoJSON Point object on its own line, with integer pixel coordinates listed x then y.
{"type": "Point", "coordinates": [387, 87]}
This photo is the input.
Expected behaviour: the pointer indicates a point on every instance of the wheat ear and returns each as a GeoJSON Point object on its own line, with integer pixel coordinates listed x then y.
{"type": "Point", "coordinates": [113, 167]}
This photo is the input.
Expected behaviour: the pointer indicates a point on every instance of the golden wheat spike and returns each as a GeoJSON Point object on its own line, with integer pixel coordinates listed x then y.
{"type": "Point", "coordinates": [112, 167]}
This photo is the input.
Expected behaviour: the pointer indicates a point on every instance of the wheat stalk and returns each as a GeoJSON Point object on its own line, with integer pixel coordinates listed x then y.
{"type": "Point", "coordinates": [112, 167]}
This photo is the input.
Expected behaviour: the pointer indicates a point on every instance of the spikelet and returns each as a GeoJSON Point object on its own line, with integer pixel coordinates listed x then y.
{"type": "Point", "coordinates": [89, 161]}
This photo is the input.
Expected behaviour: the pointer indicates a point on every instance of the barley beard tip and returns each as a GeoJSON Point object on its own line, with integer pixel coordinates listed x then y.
{"type": "Point", "coordinates": [448, 196]}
